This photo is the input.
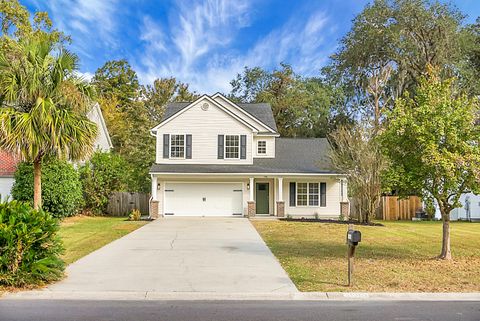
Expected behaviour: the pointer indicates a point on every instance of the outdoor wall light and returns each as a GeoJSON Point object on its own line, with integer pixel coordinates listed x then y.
{"type": "Point", "coordinates": [248, 185]}
{"type": "Point", "coordinates": [158, 186]}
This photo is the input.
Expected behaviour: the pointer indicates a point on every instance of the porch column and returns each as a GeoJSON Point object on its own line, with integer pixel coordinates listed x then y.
{"type": "Point", "coordinates": [154, 188]}
{"type": "Point", "coordinates": [280, 189]}
{"type": "Point", "coordinates": [154, 204]}
{"type": "Point", "coordinates": [251, 210]}
{"type": "Point", "coordinates": [252, 186]}
{"type": "Point", "coordinates": [280, 202]}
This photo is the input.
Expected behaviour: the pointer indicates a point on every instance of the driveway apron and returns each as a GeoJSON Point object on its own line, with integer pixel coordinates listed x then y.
{"type": "Point", "coordinates": [224, 255]}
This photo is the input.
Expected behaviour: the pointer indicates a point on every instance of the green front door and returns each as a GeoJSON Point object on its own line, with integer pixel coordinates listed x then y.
{"type": "Point", "coordinates": [261, 190]}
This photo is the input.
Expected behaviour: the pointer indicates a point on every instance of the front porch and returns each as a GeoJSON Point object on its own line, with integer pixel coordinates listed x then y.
{"type": "Point", "coordinates": [249, 196]}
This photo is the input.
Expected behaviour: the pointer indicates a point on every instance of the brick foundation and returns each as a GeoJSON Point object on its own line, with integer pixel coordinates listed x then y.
{"type": "Point", "coordinates": [154, 210]}
{"type": "Point", "coordinates": [280, 209]}
{"type": "Point", "coordinates": [251, 211]}
{"type": "Point", "coordinates": [344, 209]}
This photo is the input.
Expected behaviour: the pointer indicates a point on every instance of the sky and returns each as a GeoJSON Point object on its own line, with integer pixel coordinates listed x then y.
{"type": "Point", "coordinates": [207, 43]}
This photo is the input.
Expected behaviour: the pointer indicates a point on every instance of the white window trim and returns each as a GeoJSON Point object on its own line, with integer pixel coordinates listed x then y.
{"type": "Point", "coordinates": [258, 147]}
{"type": "Point", "coordinates": [308, 194]}
{"type": "Point", "coordinates": [184, 146]}
{"type": "Point", "coordinates": [225, 147]}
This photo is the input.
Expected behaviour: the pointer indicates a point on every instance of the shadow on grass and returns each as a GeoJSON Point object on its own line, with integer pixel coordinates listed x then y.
{"type": "Point", "coordinates": [328, 250]}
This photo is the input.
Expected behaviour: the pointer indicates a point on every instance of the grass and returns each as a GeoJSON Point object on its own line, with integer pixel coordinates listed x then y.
{"type": "Point", "coordinates": [84, 234]}
{"type": "Point", "coordinates": [398, 257]}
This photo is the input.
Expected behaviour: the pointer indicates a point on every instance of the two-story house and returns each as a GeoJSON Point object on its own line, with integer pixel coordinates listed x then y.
{"type": "Point", "coordinates": [215, 157]}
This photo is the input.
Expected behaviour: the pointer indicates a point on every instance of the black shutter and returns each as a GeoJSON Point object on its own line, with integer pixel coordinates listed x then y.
{"type": "Point", "coordinates": [243, 146]}
{"type": "Point", "coordinates": [323, 194]}
{"type": "Point", "coordinates": [220, 146]}
{"type": "Point", "coordinates": [293, 194]}
{"type": "Point", "coordinates": [188, 146]}
{"type": "Point", "coordinates": [166, 145]}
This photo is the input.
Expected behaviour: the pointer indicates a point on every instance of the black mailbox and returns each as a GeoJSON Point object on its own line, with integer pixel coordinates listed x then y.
{"type": "Point", "coordinates": [354, 237]}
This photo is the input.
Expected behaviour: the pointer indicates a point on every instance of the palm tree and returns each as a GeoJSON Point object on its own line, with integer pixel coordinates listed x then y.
{"type": "Point", "coordinates": [43, 105]}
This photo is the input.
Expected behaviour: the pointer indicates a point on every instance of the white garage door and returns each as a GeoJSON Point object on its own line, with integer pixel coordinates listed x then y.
{"type": "Point", "coordinates": [203, 199]}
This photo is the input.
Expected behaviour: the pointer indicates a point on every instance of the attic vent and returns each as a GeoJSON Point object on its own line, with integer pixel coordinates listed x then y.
{"type": "Point", "coordinates": [205, 106]}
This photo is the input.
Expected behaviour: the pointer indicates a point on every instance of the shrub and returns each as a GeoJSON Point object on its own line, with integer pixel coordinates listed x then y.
{"type": "Point", "coordinates": [29, 246]}
{"type": "Point", "coordinates": [104, 174]}
{"type": "Point", "coordinates": [61, 187]}
{"type": "Point", "coordinates": [134, 215]}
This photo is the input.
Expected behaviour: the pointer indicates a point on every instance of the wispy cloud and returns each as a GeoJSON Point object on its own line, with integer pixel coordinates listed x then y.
{"type": "Point", "coordinates": [200, 46]}
{"type": "Point", "coordinates": [201, 42]}
{"type": "Point", "coordinates": [89, 22]}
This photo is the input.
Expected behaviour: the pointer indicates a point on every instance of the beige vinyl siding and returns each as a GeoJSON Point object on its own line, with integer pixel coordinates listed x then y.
{"type": "Point", "coordinates": [204, 126]}
{"type": "Point", "coordinates": [332, 210]}
{"type": "Point", "coordinates": [270, 140]}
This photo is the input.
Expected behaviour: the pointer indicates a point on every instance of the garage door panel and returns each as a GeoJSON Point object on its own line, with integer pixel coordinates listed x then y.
{"type": "Point", "coordinates": [203, 199]}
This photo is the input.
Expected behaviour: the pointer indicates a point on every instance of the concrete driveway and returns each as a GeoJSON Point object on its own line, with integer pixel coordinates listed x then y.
{"type": "Point", "coordinates": [224, 255]}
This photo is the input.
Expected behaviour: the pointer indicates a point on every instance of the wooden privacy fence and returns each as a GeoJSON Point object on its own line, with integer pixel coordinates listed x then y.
{"type": "Point", "coordinates": [391, 208]}
{"type": "Point", "coordinates": [122, 203]}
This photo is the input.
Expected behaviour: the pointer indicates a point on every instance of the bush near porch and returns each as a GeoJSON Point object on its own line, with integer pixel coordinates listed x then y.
{"type": "Point", "coordinates": [395, 258]}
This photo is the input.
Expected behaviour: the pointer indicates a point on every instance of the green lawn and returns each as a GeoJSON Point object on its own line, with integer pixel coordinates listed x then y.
{"type": "Point", "coordinates": [84, 234]}
{"type": "Point", "coordinates": [397, 257]}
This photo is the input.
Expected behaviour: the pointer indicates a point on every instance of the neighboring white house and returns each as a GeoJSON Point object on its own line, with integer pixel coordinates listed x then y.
{"type": "Point", "coordinates": [469, 211]}
{"type": "Point", "coordinates": [218, 158]}
{"type": "Point", "coordinates": [103, 141]}
{"type": "Point", "coordinates": [8, 162]}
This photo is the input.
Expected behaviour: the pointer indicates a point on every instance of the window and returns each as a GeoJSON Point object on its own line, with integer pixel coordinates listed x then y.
{"type": "Point", "coordinates": [262, 147]}
{"type": "Point", "coordinates": [311, 194]}
{"type": "Point", "coordinates": [232, 146]}
{"type": "Point", "coordinates": [177, 146]}
{"type": "Point", "coordinates": [302, 194]}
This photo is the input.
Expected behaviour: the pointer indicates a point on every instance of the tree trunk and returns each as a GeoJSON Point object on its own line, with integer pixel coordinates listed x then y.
{"type": "Point", "coordinates": [37, 184]}
{"type": "Point", "coordinates": [445, 254]}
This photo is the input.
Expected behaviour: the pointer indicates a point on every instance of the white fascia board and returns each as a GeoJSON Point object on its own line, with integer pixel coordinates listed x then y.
{"type": "Point", "coordinates": [208, 98]}
{"type": "Point", "coordinates": [243, 111]}
{"type": "Point", "coordinates": [249, 174]}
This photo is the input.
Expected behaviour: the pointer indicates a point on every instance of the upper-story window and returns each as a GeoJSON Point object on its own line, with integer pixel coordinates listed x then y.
{"type": "Point", "coordinates": [177, 146]}
{"type": "Point", "coordinates": [232, 146]}
{"type": "Point", "coordinates": [261, 147]}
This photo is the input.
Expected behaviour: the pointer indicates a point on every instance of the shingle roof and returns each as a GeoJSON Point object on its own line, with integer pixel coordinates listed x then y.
{"type": "Point", "coordinates": [260, 111]}
{"type": "Point", "coordinates": [293, 155]}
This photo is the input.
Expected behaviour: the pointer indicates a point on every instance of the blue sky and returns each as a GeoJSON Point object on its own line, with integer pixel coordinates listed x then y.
{"type": "Point", "coordinates": [206, 43]}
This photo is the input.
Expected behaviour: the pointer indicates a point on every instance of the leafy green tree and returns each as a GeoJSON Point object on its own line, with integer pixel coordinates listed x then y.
{"type": "Point", "coordinates": [117, 78]}
{"type": "Point", "coordinates": [389, 47]}
{"type": "Point", "coordinates": [357, 153]}
{"type": "Point", "coordinates": [61, 187]}
{"type": "Point", "coordinates": [163, 91]}
{"type": "Point", "coordinates": [301, 106]}
{"type": "Point", "coordinates": [432, 140]}
{"type": "Point", "coordinates": [127, 118]}
{"type": "Point", "coordinates": [16, 23]}
{"type": "Point", "coordinates": [102, 175]}
{"type": "Point", "coordinates": [40, 115]}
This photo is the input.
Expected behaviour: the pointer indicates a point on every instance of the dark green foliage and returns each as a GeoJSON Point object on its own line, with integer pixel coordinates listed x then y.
{"type": "Point", "coordinates": [104, 174]}
{"type": "Point", "coordinates": [61, 187]}
{"type": "Point", "coordinates": [29, 246]}
{"type": "Point", "coordinates": [302, 107]}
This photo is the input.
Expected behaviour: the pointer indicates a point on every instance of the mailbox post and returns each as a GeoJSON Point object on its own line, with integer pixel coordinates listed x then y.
{"type": "Point", "coordinates": [353, 238]}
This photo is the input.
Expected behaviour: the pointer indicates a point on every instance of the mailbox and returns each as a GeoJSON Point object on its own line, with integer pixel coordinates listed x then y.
{"type": "Point", "coordinates": [354, 237]}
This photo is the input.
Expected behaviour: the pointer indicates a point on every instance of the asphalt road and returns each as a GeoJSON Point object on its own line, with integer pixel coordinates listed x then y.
{"type": "Point", "coordinates": [52, 310]}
